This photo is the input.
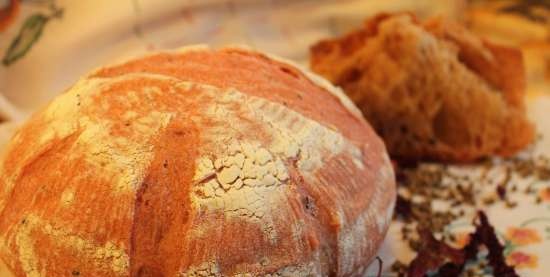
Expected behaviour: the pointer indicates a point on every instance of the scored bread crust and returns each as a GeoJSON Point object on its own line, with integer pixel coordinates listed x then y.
{"type": "Point", "coordinates": [432, 90]}
{"type": "Point", "coordinates": [197, 162]}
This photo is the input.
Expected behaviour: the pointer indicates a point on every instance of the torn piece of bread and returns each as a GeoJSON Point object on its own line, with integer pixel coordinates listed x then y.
{"type": "Point", "coordinates": [432, 90]}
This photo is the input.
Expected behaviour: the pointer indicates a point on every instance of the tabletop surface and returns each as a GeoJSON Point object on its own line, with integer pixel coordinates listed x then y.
{"type": "Point", "coordinates": [62, 40]}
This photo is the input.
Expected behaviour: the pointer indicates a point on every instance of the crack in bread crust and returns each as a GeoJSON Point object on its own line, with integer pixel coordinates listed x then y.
{"type": "Point", "coordinates": [145, 173]}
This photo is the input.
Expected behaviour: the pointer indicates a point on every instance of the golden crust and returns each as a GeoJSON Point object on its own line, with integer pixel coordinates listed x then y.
{"type": "Point", "coordinates": [432, 90]}
{"type": "Point", "coordinates": [195, 163]}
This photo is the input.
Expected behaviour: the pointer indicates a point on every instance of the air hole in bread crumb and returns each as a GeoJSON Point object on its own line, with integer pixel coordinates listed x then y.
{"type": "Point", "coordinates": [351, 75]}
{"type": "Point", "coordinates": [421, 107]}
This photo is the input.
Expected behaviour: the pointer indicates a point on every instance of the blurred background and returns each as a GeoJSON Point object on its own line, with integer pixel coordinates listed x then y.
{"type": "Point", "coordinates": [47, 44]}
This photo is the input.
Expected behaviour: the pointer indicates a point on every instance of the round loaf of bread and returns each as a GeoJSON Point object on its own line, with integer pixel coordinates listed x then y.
{"type": "Point", "coordinates": [197, 162]}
